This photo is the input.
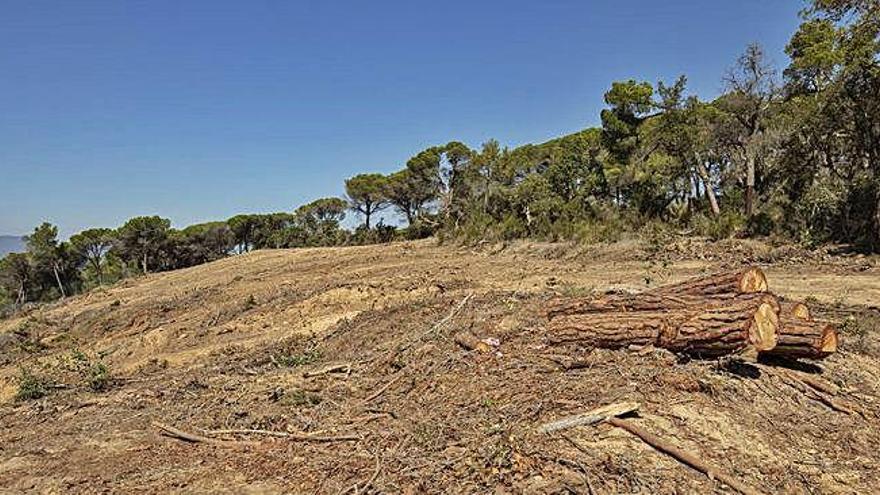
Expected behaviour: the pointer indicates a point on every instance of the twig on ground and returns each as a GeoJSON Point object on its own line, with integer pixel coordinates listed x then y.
{"type": "Point", "coordinates": [346, 367]}
{"type": "Point", "coordinates": [300, 437]}
{"type": "Point", "coordinates": [448, 317]}
{"type": "Point", "coordinates": [816, 389]}
{"type": "Point", "coordinates": [382, 389]}
{"type": "Point", "coordinates": [192, 437]}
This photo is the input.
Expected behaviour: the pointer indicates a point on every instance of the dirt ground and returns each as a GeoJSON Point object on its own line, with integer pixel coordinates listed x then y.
{"type": "Point", "coordinates": [231, 345]}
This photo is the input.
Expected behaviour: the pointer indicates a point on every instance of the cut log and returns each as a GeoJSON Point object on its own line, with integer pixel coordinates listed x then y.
{"type": "Point", "coordinates": [804, 339]}
{"type": "Point", "coordinates": [750, 321]}
{"type": "Point", "coordinates": [722, 284]}
{"type": "Point", "coordinates": [647, 301]}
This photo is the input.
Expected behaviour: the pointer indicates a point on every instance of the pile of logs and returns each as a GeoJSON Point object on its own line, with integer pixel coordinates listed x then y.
{"type": "Point", "coordinates": [710, 316]}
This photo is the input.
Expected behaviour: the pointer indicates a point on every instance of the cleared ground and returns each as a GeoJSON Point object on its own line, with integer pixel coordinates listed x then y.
{"type": "Point", "coordinates": [227, 345]}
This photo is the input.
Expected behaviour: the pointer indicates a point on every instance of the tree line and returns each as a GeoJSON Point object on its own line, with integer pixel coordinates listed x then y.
{"type": "Point", "coordinates": [794, 154]}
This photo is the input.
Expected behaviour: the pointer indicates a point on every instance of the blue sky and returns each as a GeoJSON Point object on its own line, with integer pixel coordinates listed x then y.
{"type": "Point", "coordinates": [198, 110]}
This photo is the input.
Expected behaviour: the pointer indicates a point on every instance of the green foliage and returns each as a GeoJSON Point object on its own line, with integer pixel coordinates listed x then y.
{"type": "Point", "coordinates": [294, 360]}
{"type": "Point", "coordinates": [718, 227]}
{"type": "Point", "coordinates": [317, 223]}
{"type": "Point", "coordinates": [31, 386]}
{"type": "Point", "coordinates": [367, 194]}
{"type": "Point", "coordinates": [92, 247]}
{"type": "Point", "coordinates": [144, 242]}
{"type": "Point", "coordinates": [94, 373]}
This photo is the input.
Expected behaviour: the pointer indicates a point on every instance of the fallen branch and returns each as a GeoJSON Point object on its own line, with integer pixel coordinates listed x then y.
{"type": "Point", "coordinates": [300, 437]}
{"type": "Point", "coordinates": [684, 457]}
{"type": "Point", "coordinates": [382, 390]}
{"type": "Point", "coordinates": [346, 367]}
{"type": "Point", "coordinates": [597, 415]}
{"type": "Point", "coordinates": [458, 307]}
{"type": "Point", "coordinates": [179, 434]}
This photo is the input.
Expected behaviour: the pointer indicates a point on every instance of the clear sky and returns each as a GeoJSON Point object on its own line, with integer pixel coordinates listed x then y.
{"type": "Point", "coordinates": [198, 110]}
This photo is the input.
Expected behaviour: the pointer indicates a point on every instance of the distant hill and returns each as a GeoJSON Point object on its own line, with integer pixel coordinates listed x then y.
{"type": "Point", "coordinates": [11, 244]}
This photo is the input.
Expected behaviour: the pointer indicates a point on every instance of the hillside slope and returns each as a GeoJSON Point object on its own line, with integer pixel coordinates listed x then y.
{"type": "Point", "coordinates": [229, 346]}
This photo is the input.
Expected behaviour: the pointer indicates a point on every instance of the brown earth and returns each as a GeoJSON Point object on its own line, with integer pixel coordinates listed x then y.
{"type": "Point", "coordinates": [226, 345]}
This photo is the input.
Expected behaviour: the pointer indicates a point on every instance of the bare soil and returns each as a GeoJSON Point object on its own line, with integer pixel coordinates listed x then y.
{"type": "Point", "coordinates": [230, 345]}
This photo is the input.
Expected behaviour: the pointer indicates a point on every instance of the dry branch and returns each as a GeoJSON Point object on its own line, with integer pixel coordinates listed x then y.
{"type": "Point", "coordinates": [597, 415]}
{"type": "Point", "coordinates": [300, 437]}
{"type": "Point", "coordinates": [685, 457]}
{"type": "Point", "coordinates": [816, 389]}
{"type": "Point", "coordinates": [345, 367]}
{"type": "Point", "coordinates": [383, 388]}
{"type": "Point", "coordinates": [194, 438]}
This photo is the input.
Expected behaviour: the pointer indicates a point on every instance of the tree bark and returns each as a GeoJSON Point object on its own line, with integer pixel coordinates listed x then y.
{"type": "Point", "coordinates": [723, 284]}
{"type": "Point", "coordinates": [58, 280]}
{"type": "Point", "coordinates": [644, 302]}
{"type": "Point", "coordinates": [751, 321]}
{"type": "Point", "coordinates": [750, 185]}
{"type": "Point", "coordinates": [876, 239]}
{"type": "Point", "coordinates": [710, 192]}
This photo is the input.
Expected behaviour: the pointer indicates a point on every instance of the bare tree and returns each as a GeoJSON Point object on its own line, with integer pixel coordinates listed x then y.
{"type": "Point", "coordinates": [751, 89]}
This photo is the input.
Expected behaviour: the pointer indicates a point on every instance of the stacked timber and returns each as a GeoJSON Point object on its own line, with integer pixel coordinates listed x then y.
{"type": "Point", "coordinates": [713, 315]}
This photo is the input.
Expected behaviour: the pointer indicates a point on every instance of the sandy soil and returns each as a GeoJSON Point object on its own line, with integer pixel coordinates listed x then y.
{"type": "Point", "coordinates": [228, 346]}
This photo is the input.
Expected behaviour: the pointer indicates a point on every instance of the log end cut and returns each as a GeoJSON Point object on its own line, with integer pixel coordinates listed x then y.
{"type": "Point", "coordinates": [799, 311]}
{"type": "Point", "coordinates": [764, 328]}
{"type": "Point", "coordinates": [828, 342]}
{"type": "Point", "coordinates": [752, 280]}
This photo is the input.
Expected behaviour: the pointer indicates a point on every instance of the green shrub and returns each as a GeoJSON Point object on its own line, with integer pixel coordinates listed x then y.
{"type": "Point", "coordinates": [94, 373]}
{"type": "Point", "coordinates": [760, 224]}
{"type": "Point", "coordinates": [716, 228]}
{"type": "Point", "coordinates": [31, 386]}
{"type": "Point", "coordinates": [590, 232]}
{"type": "Point", "coordinates": [294, 360]}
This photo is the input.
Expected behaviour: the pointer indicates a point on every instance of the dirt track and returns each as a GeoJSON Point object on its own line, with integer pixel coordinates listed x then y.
{"type": "Point", "coordinates": [225, 346]}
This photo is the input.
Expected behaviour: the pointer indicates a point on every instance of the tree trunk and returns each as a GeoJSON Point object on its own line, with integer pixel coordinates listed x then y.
{"type": "Point", "coordinates": [707, 185]}
{"type": "Point", "coordinates": [145, 263]}
{"type": "Point", "coordinates": [876, 239]}
{"type": "Point", "coordinates": [720, 285]}
{"type": "Point", "coordinates": [750, 185]}
{"type": "Point", "coordinates": [58, 280]}
{"type": "Point", "coordinates": [801, 337]}
{"type": "Point", "coordinates": [709, 331]}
